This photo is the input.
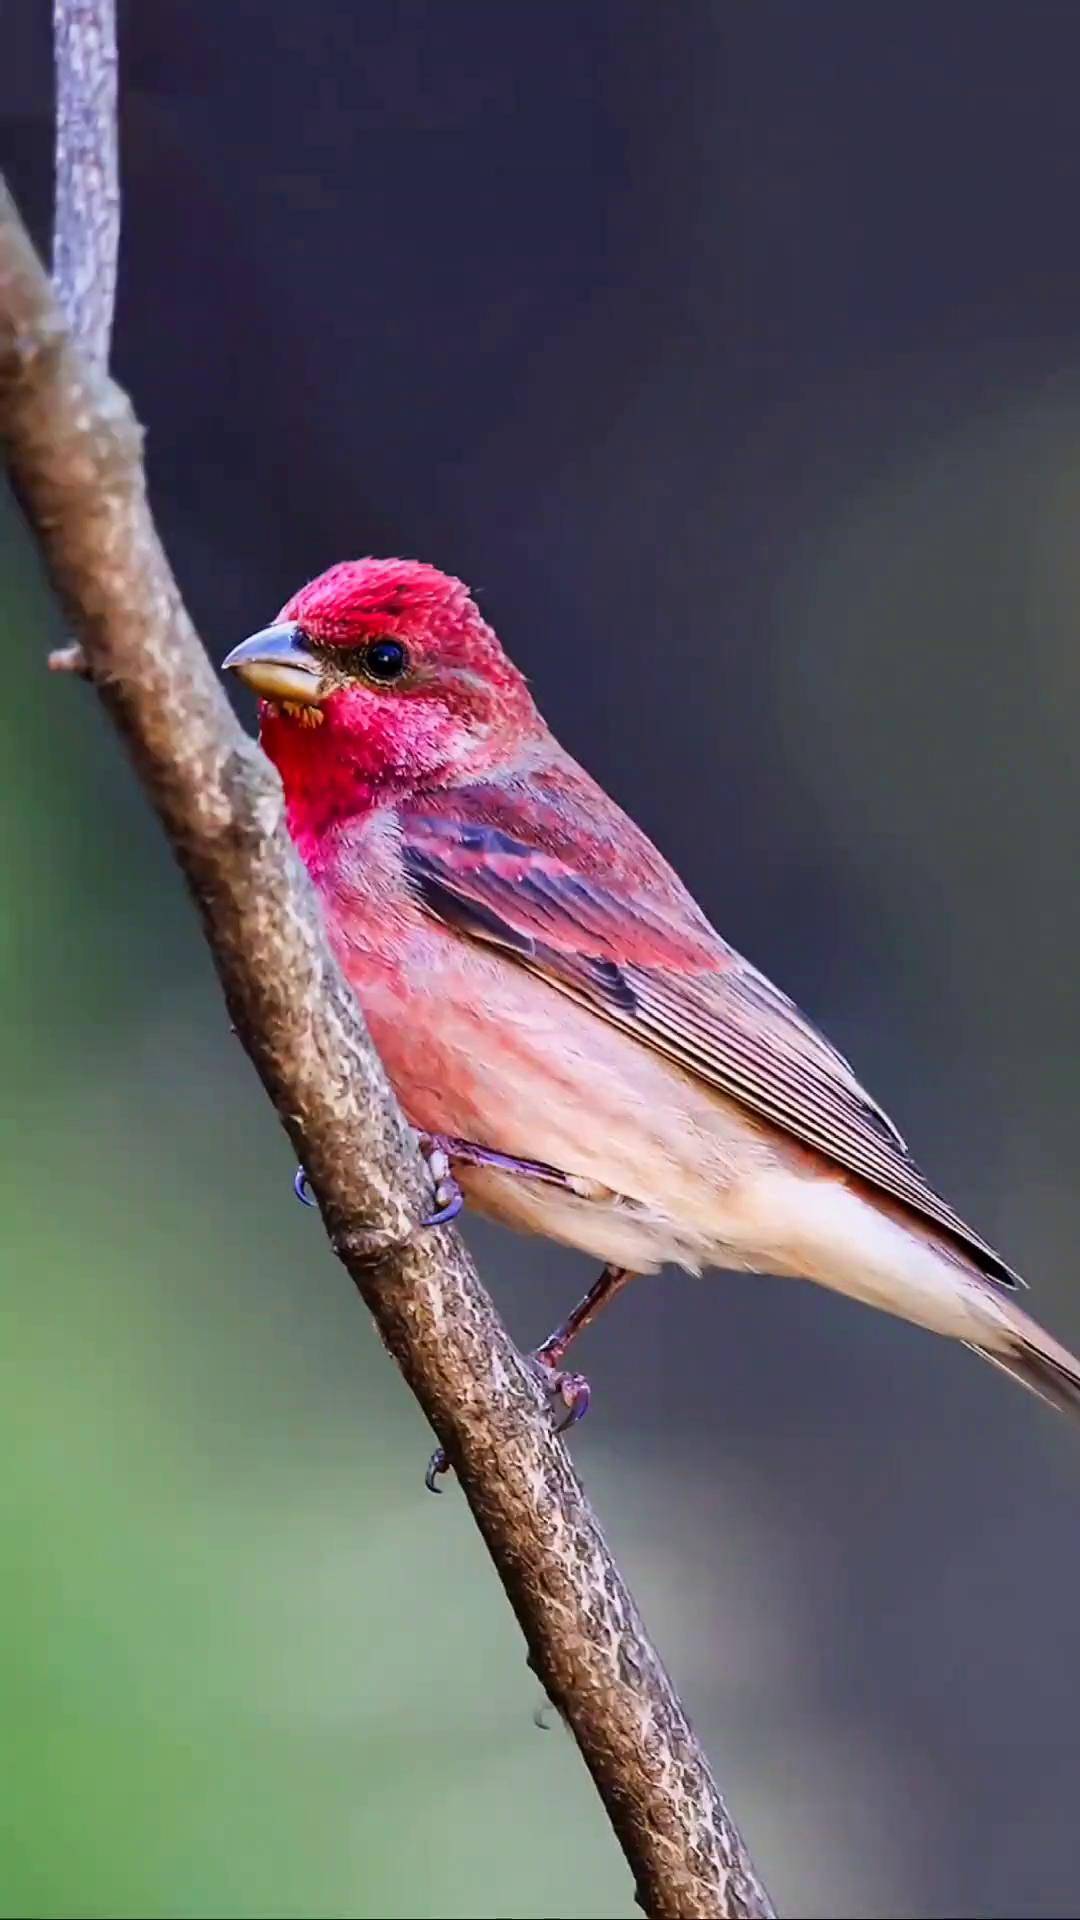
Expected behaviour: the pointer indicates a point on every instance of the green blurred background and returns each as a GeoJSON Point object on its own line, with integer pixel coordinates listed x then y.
{"type": "Point", "coordinates": [735, 355]}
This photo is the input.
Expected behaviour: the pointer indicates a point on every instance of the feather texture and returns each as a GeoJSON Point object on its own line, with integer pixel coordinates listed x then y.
{"type": "Point", "coordinates": [639, 953]}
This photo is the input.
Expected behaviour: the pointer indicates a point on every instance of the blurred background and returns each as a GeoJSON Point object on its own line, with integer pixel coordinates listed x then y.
{"type": "Point", "coordinates": [733, 353]}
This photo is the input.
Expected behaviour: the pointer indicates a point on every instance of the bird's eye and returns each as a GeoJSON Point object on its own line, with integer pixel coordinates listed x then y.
{"type": "Point", "coordinates": [384, 661]}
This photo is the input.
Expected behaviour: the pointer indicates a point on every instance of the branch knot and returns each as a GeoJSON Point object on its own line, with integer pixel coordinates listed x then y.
{"type": "Point", "coordinates": [367, 1247]}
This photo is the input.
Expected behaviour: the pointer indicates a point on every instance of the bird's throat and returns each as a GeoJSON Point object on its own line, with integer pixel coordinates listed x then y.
{"type": "Point", "coordinates": [326, 774]}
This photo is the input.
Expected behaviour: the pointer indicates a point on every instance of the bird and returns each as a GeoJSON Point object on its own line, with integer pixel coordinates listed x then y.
{"type": "Point", "coordinates": [562, 1024]}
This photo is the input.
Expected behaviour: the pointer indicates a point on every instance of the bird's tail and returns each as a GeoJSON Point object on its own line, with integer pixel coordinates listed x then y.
{"type": "Point", "coordinates": [1038, 1361]}
{"type": "Point", "coordinates": [886, 1256]}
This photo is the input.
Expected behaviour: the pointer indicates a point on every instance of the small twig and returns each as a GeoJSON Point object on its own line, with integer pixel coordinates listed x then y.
{"type": "Point", "coordinates": [86, 231]}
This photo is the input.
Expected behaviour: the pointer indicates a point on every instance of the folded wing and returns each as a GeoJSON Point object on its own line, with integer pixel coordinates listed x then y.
{"type": "Point", "coordinates": [586, 902]}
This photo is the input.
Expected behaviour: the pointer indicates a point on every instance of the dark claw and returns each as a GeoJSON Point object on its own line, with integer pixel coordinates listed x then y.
{"type": "Point", "coordinates": [447, 1208]}
{"type": "Point", "coordinates": [438, 1464]}
{"type": "Point", "coordinates": [576, 1395]}
{"type": "Point", "coordinates": [571, 1388]}
{"type": "Point", "coordinates": [302, 1188]}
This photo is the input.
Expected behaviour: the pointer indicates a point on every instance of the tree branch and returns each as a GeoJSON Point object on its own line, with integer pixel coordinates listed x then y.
{"type": "Point", "coordinates": [86, 226]}
{"type": "Point", "coordinates": [75, 458]}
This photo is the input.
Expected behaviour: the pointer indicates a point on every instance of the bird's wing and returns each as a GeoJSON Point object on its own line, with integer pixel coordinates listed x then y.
{"type": "Point", "coordinates": [569, 888]}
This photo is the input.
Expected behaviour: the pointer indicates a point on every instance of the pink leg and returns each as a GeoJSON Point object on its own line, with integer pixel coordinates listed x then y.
{"type": "Point", "coordinates": [571, 1388]}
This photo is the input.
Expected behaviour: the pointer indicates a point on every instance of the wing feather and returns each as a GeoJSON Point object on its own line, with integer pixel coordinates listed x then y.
{"type": "Point", "coordinates": [625, 939]}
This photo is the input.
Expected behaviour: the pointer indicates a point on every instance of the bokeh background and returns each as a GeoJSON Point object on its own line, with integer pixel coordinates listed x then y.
{"type": "Point", "coordinates": [733, 352]}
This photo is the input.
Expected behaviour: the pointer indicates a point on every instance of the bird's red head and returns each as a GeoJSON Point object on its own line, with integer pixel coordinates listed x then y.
{"type": "Point", "coordinates": [380, 678]}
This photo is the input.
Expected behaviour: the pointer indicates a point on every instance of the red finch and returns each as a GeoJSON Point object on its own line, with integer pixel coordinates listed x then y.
{"type": "Point", "coordinates": [552, 1005]}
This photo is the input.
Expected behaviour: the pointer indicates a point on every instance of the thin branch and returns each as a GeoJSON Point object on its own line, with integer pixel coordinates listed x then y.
{"type": "Point", "coordinates": [75, 457]}
{"type": "Point", "coordinates": [86, 231]}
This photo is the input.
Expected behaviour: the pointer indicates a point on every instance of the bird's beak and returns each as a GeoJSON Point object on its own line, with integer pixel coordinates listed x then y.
{"type": "Point", "coordinates": [278, 664]}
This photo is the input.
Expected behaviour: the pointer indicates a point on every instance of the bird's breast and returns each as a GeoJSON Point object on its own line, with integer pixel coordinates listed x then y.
{"type": "Point", "coordinates": [480, 1048]}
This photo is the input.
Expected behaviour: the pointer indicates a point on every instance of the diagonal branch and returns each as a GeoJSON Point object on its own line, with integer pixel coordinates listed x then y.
{"type": "Point", "coordinates": [75, 458]}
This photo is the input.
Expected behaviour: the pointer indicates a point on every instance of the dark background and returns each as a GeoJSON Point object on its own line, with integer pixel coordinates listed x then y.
{"type": "Point", "coordinates": [733, 353]}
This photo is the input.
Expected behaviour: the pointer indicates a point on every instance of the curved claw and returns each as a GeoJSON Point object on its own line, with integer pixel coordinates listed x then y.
{"type": "Point", "coordinates": [447, 1207]}
{"type": "Point", "coordinates": [572, 1389]}
{"type": "Point", "coordinates": [436, 1465]}
{"type": "Point", "coordinates": [302, 1188]}
{"type": "Point", "coordinates": [576, 1395]}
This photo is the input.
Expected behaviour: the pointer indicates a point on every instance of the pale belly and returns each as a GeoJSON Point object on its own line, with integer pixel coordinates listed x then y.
{"type": "Point", "coordinates": [493, 1055]}
{"type": "Point", "coordinates": [479, 1048]}
{"type": "Point", "coordinates": [688, 1177]}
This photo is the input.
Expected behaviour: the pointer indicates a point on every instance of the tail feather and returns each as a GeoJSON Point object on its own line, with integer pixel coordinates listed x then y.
{"type": "Point", "coordinates": [855, 1243]}
{"type": "Point", "coordinates": [1040, 1365]}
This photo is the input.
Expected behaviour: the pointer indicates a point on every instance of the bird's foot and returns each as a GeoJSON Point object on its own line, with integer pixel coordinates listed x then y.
{"type": "Point", "coordinates": [444, 1150]}
{"type": "Point", "coordinates": [569, 1396]}
{"type": "Point", "coordinates": [468, 1153]}
{"type": "Point", "coordinates": [448, 1196]}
